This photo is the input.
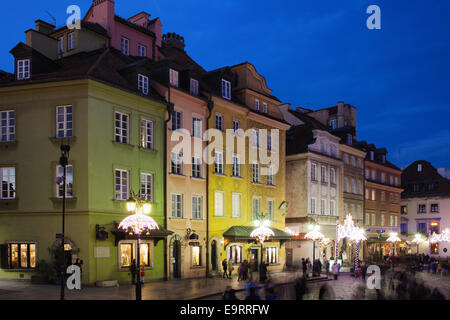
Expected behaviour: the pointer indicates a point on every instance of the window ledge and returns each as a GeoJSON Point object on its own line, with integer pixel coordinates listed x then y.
{"type": "Point", "coordinates": [6, 201]}
{"type": "Point", "coordinates": [151, 150]}
{"type": "Point", "coordinates": [198, 267]}
{"type": "Point", "coordinates": [220, 174]}
{"type": "Point", "coordinates": [237, 177]}
{"type": "Point", "coordinates": [60, 139]}
{"type": "Point", "coordinates": [254, 182]}
{"type": "Point", "coordinates": [7, 144]}
{"type": "Point", "coordinates": [58, 199]}
{"type": "Point", "coordinates": [177, 218]}
{"type": "Point", "coordinates": [123, 144]}
{"type": "Point", "coordinates": [177, 175]}
{"type": "Point", "coordinates": [271, 185]}
{"type": "Point", "coordinates": [198, 178]}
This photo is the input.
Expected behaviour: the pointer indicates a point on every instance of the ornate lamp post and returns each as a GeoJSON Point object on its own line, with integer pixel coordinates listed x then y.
{"type": "Point", "coordinates": [262, 233]}
{"type": "Point", "coordinates": [418, 240]}
{"type": "Point", "coordinates": [137, 223]}
{"type": "Point", "coordinates": [314, 235]}
{"type": "Point", "coordinates": [393, 238]}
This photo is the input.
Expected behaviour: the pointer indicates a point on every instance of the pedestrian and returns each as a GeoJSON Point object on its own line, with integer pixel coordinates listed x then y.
{"type": "Point", "coordinates": [249, 284]}
{"type": "Point", "coordinates": [327, 266]}
{"type": "Point", "coordinates": [245, 271]}
{"type": "Point", "coordinates": [79, 264]}
{"type": "Point", "coordinates": [230, 268]}
{"type": "Point", "coordinates": [229, 294]}
{"type": "Point", "coordinates": [241, 272]}
{"type": "Point", "coordinates": [434, 267]}
{"type": "Point", "coordinates": [336, 268]}
{"type": "Point", "coordinates": [304, 268]}
{"type": "Point", "coordinates": [142, 275]}
{"type": "Point", "coordinates": [270, 294]}
{"type": "Point", "coordinates": [319, 267]}
{"type": "Point", "coordinates": [364, 270]}
{"type": "Point", "coordinates": [133, 270]}
{"type": "Point", "coordinates": [308, 266]}
{"type": "Point", "coordinates": [252, 294]}
{"type": "Point", "coordinates": [263, 272]}
{"type": "Point", "coordinates": [300, 288]}
{"type": "Point", "coordinates": [224, 267]}
{"type": "Point", "coordinates": [326, 293]}
{"type": "Point", "coordinates": [437, 295]}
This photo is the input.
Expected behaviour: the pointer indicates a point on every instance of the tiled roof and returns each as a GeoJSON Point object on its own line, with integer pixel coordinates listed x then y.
{"type": "Point", "coordinates": [181, 58]}
{"type": "Point", "coordinates": [134, 26]}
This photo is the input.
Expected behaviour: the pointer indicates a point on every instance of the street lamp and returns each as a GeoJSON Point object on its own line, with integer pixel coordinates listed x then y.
{"type": "Point", "coordinates": [262, 233]}
{"type": "Point", "coordinates": [138, 223]}
{"type": "Point", "coordinates": [357, 236]}
{"type": "Point", "coordinates": [393, 238]}
{"type": "Point", "coordinates": [63, 161]}
{"type": "Point", "coordinates": [314, 234]}
{"type": "Point", "coordinates": [418, 240]}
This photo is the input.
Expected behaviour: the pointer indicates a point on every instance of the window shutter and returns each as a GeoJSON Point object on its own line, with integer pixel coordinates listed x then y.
{"type": "Point", "coordinates": [4, 256]}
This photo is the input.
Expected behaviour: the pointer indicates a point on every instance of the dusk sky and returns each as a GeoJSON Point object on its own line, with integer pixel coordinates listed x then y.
{"type": "Point", "coordinates": [312, 54]}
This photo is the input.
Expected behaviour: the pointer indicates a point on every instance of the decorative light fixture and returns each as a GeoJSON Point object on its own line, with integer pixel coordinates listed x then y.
{"type": "Point", "coordinates": [262, 232]}
{"type": "Point", "coordinates": [314, 235]}
{"type": "Point", "coordinates": [138, 223]}
{"type": "Point", "coordinates": [418, 239]}
{"type": "Point", "coordinates": [357, 236]}
{"type": "Point", "coordinates": [347, 229]}
{"type": "Point", "coordinates": [393, 237]}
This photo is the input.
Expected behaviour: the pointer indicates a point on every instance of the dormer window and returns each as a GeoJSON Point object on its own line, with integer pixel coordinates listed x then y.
{"type": "Point", "coordinates": [226, 89]}
{"type": "Point", "coordinates": [264, 109]}
{"type": "Point", "coordinates": [419, 168]}
{"type": "Point", "coordinates": [256, 104]}
{"type": "Point", "coordinates": [143, 84]}
{"type": "Point", "coordinates": [125, 46]}
{"type": "Point", "coordinates": [383, 159]}
{"type": "Point", "coordinates": [142, 50]}
{"type": "Point", "coordinates": [349, 139]}
{"type": "Point", "coordinates": [194, 87]}
{"type": "Point", "coordinates": [173, 74]}
{"type": "Point", "coordinates": [70, 41]}
{"type": "Point", "coordinates": [23, 69]}
{"type": "Point", "coordinates": [60, 44]}
{"type": "Point", "coordinates": [333, 124]}
{"type": "Point", "coordinates": [372, 155]}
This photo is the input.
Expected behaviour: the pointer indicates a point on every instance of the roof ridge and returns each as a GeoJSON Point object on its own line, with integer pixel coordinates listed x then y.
{"type": "Point", "coordinates": [97, 62]}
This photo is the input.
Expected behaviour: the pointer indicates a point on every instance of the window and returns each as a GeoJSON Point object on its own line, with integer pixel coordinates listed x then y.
{"type": "Point", "coordinates": [70, 41]}
{"type": "Point", "coordinates": [323, 174]}
{"type": "Point", "coordinates": [256, 207]}
{"type": "Point", "coordinates": [196, 207]}
{"type": "Point", "coordinates": [219, 203]}
{"type": "Point", "coordinates": [367, 219]}
{"type": "Point", "coordinates": [21, 255]}
{"type": "Point", "coordinates": [23, 69]}
{"type": "Point", "coordinates": [269, 142]}
{"type": "Point", "coordinates": [404, 228]}
{"type": "Point", "coordinates": [218, 162]}
{"type": "Point", "coordinates": [313, 172]}
{"type": "Point", "coordinates": [196, 256]}
{"type": "Point", "coordinates": [373, 219]}
{"type": "Point", "coordinates": [236, 199]}
{"type": "Point", "coordinates": [142, 50]}
{"type": "Point", "coordinates": [367, 194]}
{"type": "Point", "coordinates": [122, 124]}
{"type": "Point", "coordinates": [396, 181]}
{"type": "Point", "coordinates": [226, 89]}
{"type": "Point", "coordinates": [359, 187]}
{"type": "Point", "coordinates": [236, 166]}
{"type": "Point", "coordinates": [219, 122]}
{"type": "Point", "coordinates": [8, 183]}
{"type": "Point", "coordinates": [383, 158]}
{"type": "Point", "coordinates": [177, 163]}
{"type": "Point", "coordinates": [323, 149]}
{"type": "Point", "coordinates": [395, 221]}
{"type": "Point", "coordinates": [7, 126]}
{"type": "Point", "coordinates": [345, 184]}
{"type": "Point", "coordinates": [271, 255]}
{"type": "Point", "coordinates": [196, 167]}
{"type": "Point", "coordinates": [176, 120]}
{"type": "Point", "coordinates": [383, 195]}
{"type": "Point", "coordinates": [372, 155]}
{"type": "Point", "coordinates": [323, 206]}
{"type": "Point", "coordinates": [256, 178]}
{"type": "Point", "coordinates": [391, 180]}
{"type": "Point", "coordinates": [69, 181]}
{"type": "Point", "coordinates": [332, 176]}
{"type": "Point", "coordinates": [352, 159]}
{"type": "Point", "coordinates": [60, 44]}
{"type": "Point", "coordinates": [434, 248]}
{"type": "Point", "coordinates": [197, 127]}
{"type": "Point", "coordinates": [194, 87]}
{"type": "Point", "coordinates": [147, 186]}
{"type": "Point", "coordinates": [359, 163]}
{"type": "Point", "coordinates": [345, 209]}
{"type": "Point", "coordinates": [143, 83]}
{"type": "Point", "coordinates": [419, 168]}
{"type": "Point", "coordinates": [125, 46]}
{"type": "Point", "coordinates": [270, 209]}
{"type": "Point", "coordinates": [257, 104]}
{"type": "Point", "coordinates": [359, 212]}
{"type": "Point", "coordinates": [345, 158]}
{"type": "Point", "coordinates": [145, 255]}
{"type": "Point", "coordinates": [333, 124]}
{"type": "Point", "coordinates": [382, 220]}
{"type": "Point", "coordinates": [332, 207]}
{"type": "Point", "coordinates": [146, 134]}
{"type": "Point", "coordinates": [235, 254]}
{"type": "Point", "coordinates": [404, 210]}
{"type": "Point", "coordinates": [333, 150]}
{"type": "Point", "coordinates": [373, 175]}
{"type": "Point", "coordinates": [264, 107]}
{"type": "Point", "coordinates": [353, 186]}
{"type": "Point", "coordinates": [173, 77]}
{"type": "Point", "coordinates": [373, 195]}
{"type": "Point", "coordinates": [422, 227]}
{"type": "Point", "coordinates": [313, 205]}
{"type": "Point", "coordinates": [422, 208]}
{"type": "Point", "coordinates": [236, 126]}
{"type": "Point", "coordinates": [177, 205]}
{"type": "Point", "coordinates": [122, 183]}
{"type": "Point", "coordinates": [126, 254]}
{"type": "Point", "coordinates": [255, 140]}
{"type": "Point", "coordinates": [270, 176]}
{"type": "Point", "coordinates": [367, 174]}
{"type": "Point", "coordinates": [383, 177]}
{"type": "Point", "coordinates": [434, 207]}
{"type": "Point", "coordinates": [64, 121]}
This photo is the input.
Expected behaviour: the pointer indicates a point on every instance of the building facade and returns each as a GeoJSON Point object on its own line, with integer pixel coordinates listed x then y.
{"type": "Point", "coordinates": [425, 207]}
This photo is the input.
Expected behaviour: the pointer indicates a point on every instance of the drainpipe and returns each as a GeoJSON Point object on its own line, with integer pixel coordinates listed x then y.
{"type": "Point", "coordinates": [169, 110]}
{"type": "Point", "coordinates": [210, 108]}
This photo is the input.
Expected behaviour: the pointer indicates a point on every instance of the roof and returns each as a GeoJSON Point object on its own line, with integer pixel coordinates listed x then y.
{"type": "Point", "coordinates": [92, 26]}
{"type": "Point", "coordinates": [428, 181]}
{"type": "Point", "coordinates": [243, 232]}
{"type": "Point", "coordinates": [181, 58]}
{"type": "Point", "coordinates": [134, 26]}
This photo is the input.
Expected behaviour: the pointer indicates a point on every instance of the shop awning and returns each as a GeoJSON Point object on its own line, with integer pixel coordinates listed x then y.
{"type": "Point", "coordinates": [156, 234]}
{"type": "Point", "coordinates": [243, 233]}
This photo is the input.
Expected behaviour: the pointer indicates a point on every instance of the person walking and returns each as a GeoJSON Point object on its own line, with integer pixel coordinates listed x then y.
{"type": "Point", "coordinates": [252, 294]}
{"type": "Point", "coordinates": [263, 272]}
{"type": "Point", "coordinates": [133, 270]}
{"type": "Point", "coordinates": [300, 288]}
{"type": "Point", "coordinates": [245, 270]}
{"type": "Point", "coordinates": [364, 270]}
{"type": "Point", "coordinates": [225, 268]}
{"type": "Point", "coordinates": [304, 268]}
{"type": "Point", "coordinates": [230, 268]}
{"type": "Point", "coordinates": [241, 272]}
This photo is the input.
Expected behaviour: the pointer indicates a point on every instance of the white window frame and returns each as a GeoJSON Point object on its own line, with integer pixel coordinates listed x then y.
{"type": "Point", "coordinates": [256, 104]}
{"type": "Point", "coordinates": [270, 176]}
{"type": "Point", "coordinates": [219, 121]}
{"type": "Point", "coordinates": [173, 77]}
{"type": "Point", "coordinates": [177, 205]}
{"type": "Point", "coordinates": [236, 166]}
{"type": "Point", "coordinates": [226, 89]}
{"type": "Point", "coordinates": [323, 174]}
{"type": "Point", "coordinates": [256, 173]}
{"type": "Point", "coordinates": [313, 205]}
{"type": "Point", "coordinates": [193, 87]}
{"type": "Point", "coordinates": [236, 205]}
{"type": "Point", "coordinates": [196, 167]}
{"type": "Point", "coordinates": [270, 209]}
{"type": "Point", "coordinates": [143, 84]}
{"type": "Point", "coordinates": [23, 69]}
{"type": "Point", "coordinates": [271, 251]}
{"type": "Point", "coordinates": [197, 127]}
{"type": "Point", "coordinates": [61, 45]}
{"type": "Point", "coordinates": [323, 207]}
{"type": "Point", "coordinates": [147, 186]}
{"type": "Point", "coordinates": [373, 219]}
{"type": "Point", "coordinates": [125, 46]}
{"type": "Point", "coordinates": [122, 134]}
{"type": "Point", "coordinates": [65, 126]}
{"type": "Point", "coordinates": [313, 171]}
{"type": "Point", "coordinates": [219, 206]}
{"type": "Point", "coordinates": [332, 207]}
{"type": "Point", "coordinates": [264, 107]}
{"type": "Point", "coordinates": [177, 116]}
{"type": "Point", "coordinates": [8, 175]}
{"type": "Point", "coordinates": [236, 126]}
{"type": "Point", "coordinates": [197, 205]}
{"type": "Point", "coordinates": [70, 41]}
{"type": "Point", "coordinates": [147, 132]}
{"type": "Point", "coordinates": [69, 179]}
{"type": "Point", "coordinates": [332, 176]}
{"type": "Point", "coordinates": [176, 160]}
{"type": "Point", "coordinates": [218, 162]}
{"type": "Point", "coordinates": [256, 207]}
{"type": "Point", "coordinates": [142, 50]}
{"type": "Point", "coordinates": [119, 192]}
{"type": "Point", "coordinates": [7, 125]}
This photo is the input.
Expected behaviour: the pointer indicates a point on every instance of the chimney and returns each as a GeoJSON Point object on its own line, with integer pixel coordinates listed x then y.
{"type": "Point", "coordinates": [44, 27]}
{"type": "Point", "coordinates": [103, 14]}
{"type": "Point", "coordinates": [174, 40]}
{"type": "Point", "coordinates": [340, 114]}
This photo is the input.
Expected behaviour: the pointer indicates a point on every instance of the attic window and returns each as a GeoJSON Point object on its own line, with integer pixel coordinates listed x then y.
{"type": "Point", "coordinates": [419, 167]}
{"type": "Point", "coordinates": [142, 50]}
{"type": "Point", "coordinates": [194, 87]}
{"type": "Point", "coordinates": [256, 104]}
{"type": "Point", "coordinates": [143, 84]}
{"type": "Point", "coordinates": [333, 124]}
{"type": "Point", "coordinates": [372, 155]}
{"type": "Point", "coordinates": [349, 139]}
{"type": "Point", "coordinates": [383, 159]}
{"type": "Point", "coordinates": [23, 69]}
{"type": "Point", "coordinates": [125, 46]}
{"type": "Point", "coordinates": [264, 109]}
{"type": "Point", "coordinates": [61, 45]}
{"type": "Point", "coordinates": [226, 89]}
{"type": "Point", "coordinates": [173, 77]}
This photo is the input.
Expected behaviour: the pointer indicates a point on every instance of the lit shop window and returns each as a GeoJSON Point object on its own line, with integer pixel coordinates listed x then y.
{"type": "Point", "coordinates": [22, 255]}
{"type": "Point", "coordinates": [235, 254]}
{"type": "Point", "coordinates": [126, 255]}
{"type": "Point", "coordinates": [272, 255]}
{"type": "Point", "coordinates": [196, 256]}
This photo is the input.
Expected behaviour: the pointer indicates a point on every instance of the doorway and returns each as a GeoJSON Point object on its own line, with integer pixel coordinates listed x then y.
{"type": "Point", "coordinates": [254, 259]}
{"type": "Point", "coordinates": [214, 255]}
{"type": "Point", "coordinates": [176, 259]}
{"type": "Point", "coordinates": [289, 261]}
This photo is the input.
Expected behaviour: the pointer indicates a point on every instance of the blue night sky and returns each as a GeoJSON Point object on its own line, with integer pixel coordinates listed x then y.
{"type": "Point", "coordinates": [313, 54]}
